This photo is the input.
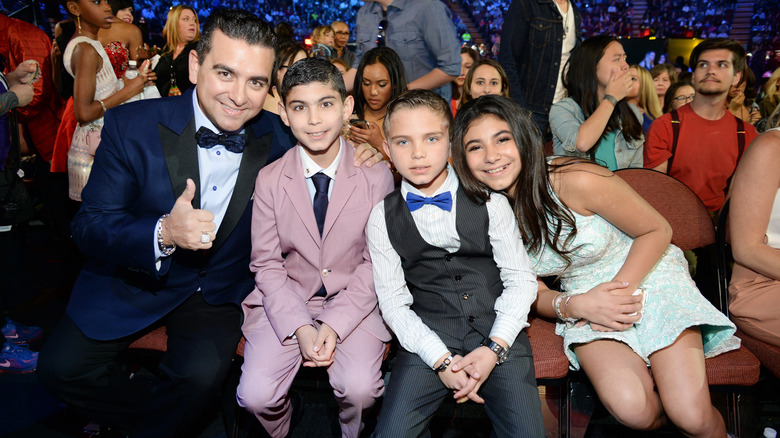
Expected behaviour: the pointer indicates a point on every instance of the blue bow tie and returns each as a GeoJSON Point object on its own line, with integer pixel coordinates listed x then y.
{"type": "Point", "coordinates": [442, 200]}
{"type": "Point", "coordinates": [233, 142]}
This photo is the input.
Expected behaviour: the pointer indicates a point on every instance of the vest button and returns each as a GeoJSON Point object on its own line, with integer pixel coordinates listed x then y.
{"type": "Point", "coordinates": [448, 257]}
{"type": "Point", "coordinates": [202, 273]}
{"type": "Point", "coordinates": [465, 296]}
{"type": "Point", "coordinates": [471, 319]}
{"type": "Point", "coordinates": [458, 278]}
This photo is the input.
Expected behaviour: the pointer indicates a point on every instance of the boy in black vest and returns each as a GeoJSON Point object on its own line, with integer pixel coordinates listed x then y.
{"type": "Point", "coordinates": [454, 283]}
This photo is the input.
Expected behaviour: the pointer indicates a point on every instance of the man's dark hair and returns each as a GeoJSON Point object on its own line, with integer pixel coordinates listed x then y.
{"type": "Point", "coordinates": [309, 70]}
{"type": "Point", "coordinates": [236, 24]}
{"type": "Point", "coordinates": [737, 52]}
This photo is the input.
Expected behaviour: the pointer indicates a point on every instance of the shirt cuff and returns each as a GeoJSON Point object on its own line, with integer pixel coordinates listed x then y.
{"type": "Point", "coordinates": [507, 328]}
{"type": "Point", "coordinates": [431, 353]}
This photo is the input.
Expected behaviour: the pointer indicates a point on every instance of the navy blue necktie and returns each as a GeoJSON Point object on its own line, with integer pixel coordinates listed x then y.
{"type": "Point", "coordinates": [320, 203]}
{"type": "Point", "coordinates": [442, 200]}
{"type": "Point", "coordinates": [207, 139]}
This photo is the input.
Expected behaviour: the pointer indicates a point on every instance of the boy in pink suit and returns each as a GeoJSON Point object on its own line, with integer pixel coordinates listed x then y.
{"type": "Point", "coordinates": [314, 302]}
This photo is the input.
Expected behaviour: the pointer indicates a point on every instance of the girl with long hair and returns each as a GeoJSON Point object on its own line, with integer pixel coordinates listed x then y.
{"type": "Point", "coordinates": [379, 79]}
{"type": "Point", "coordinates": [485, 76]}
{"type": "Point", "coordinates": [642, 95]}
{"type": "Point", "coordinates": [596, 121]}
{"type": "Point", "coordinates": [610, 249]}
{"type": "Point", "coordinates": [96, 87]}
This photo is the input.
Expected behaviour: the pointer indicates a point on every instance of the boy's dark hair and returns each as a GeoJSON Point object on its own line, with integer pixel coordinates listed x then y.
{"type": "Point", "coordinates": [737, 52]}
{"type": "Point", "coordinates": [311, 70]}
{"type": "Point", "coordinates": [236, 24]}
{"type": "Point", "coordinates": [419, 99]}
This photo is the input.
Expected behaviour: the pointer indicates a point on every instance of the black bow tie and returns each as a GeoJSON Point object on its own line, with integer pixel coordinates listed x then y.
{"type": "Point", "coordinates": [233, 142]}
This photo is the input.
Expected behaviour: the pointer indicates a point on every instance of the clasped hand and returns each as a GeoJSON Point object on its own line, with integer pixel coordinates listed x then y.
{"type": "Point", "coordinates": [317, 346]}
{"type": "Point", "coordinates": [467, 373]}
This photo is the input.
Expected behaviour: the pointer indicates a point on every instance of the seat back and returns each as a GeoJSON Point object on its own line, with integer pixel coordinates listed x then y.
{"type": "Point", "coordinates": [690, 220]}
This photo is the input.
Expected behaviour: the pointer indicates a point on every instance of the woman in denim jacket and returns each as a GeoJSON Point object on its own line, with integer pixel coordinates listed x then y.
{"type": "Point", "coordinates": [536, 40]}
{"type": "Point", "coordinates": [596, 121]}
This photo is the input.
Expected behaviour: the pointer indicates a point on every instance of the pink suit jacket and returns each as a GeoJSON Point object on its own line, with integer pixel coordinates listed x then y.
{"type": "Point", "coordinates": [290, 260]}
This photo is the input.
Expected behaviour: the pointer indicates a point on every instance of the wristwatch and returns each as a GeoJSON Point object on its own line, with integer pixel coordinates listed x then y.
{"type": "Point", "coordinates": [497, 348]}
{"type": "Point", "coordinates": [611, 99]}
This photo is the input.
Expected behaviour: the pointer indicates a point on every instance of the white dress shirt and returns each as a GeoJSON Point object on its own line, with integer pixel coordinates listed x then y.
{"type": "Point", "coordinates": [437, 227]}
{"type": "Point", "coordinates": [310, 168]}
{"type": "Point", "coordinates": [218, 170]}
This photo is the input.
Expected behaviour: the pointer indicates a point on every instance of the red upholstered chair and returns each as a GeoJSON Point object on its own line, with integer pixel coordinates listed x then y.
{"type": "Point", "coordinates": [767, 354]}
{"type": "Point", "coordinates": [550, 365]}
{"type": "Point", "coordinates": [692, 228]}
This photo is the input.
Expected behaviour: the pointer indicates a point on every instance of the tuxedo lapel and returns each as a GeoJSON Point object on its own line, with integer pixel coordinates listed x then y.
{"type": "Point", "coordinates": [298, 193]}
{"type": "Point", "coordinates": [342, 190]}
{"type": "Point", "coordinates": [253, 159]}
{"type": "Point", "coordinates": [181, 158]}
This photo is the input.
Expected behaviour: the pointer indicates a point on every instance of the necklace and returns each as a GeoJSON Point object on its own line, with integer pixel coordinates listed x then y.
{"type": "Point", "coordinates": [565, 15]}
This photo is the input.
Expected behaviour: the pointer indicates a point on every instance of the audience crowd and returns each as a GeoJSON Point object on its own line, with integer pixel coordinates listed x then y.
{"type": "Point", "coordinates": [599, 109]}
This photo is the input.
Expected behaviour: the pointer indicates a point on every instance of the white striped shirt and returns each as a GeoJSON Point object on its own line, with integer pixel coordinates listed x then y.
{"type": "Point", "coordinates": [437, 227]}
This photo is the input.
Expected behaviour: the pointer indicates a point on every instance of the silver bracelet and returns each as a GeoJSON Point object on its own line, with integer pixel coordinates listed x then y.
{"type": "Point", "coordinates": [103, 105]}
{"type": "Point", "coordinates": [164, 249]}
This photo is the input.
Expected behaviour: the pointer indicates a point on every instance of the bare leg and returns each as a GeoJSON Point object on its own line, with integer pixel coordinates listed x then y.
{"type": "Point", "coordinates": [622, 382]}
{"type": "Point", "coordinates": [682, 384]}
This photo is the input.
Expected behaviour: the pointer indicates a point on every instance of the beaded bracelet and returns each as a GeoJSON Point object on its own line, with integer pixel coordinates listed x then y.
{"type": "Point", "coordinates": [165, 250]}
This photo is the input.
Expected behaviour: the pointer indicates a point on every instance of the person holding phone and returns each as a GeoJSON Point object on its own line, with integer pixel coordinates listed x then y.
{"type": "Point", "coordinates": [380, 78]}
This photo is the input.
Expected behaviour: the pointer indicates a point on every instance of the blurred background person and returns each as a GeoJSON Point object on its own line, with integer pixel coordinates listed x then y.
{"type": "Point", "coordinates": [485, 76]}
{"type": "Point", "coordinates": [322, 38]}
{"type": "Point", "coordinates": [741, 100]}
{"type": "Point", "coordinates": [288, 52]}
{"type": "Point", "coordinates": [534, 55]}
{"type": "Point", "coordinates": [380, 78]}
{"type": "Point", "coordinates": [643, 95]}
{"type": "Point", "coordinates": [664, 75]}
{"type": "Point", "coordinates": [596, 121]}
{"type": "Point", "coordinates": [342, 33]}
{"type": "Point", "coordinates": [679, 93]}
{"type": "Point", "coordinates": [181, 33]}
{"type": "Point", "coordinates": [468, 57]}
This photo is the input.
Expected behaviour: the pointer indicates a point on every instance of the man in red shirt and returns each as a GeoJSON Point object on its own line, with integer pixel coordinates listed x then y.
{"type": "Point", "coordinates": [709, 141]}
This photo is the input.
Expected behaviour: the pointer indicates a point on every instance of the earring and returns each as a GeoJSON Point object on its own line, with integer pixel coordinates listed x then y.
{"type": "Point", "coordinates": [78, 22]}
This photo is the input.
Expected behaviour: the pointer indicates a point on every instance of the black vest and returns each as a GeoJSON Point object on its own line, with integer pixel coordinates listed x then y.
{"type": "Point", "coordinates": [453, 292]}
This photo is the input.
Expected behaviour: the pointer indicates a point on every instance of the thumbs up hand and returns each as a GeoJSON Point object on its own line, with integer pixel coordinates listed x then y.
{"type": "Point", "coordinates": [186, 227]}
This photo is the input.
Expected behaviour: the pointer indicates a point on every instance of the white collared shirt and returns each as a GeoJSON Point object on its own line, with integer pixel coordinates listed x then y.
{"type": "Point", "coordinates": [218, 171]}
{"type": "Point", "coordinates": [310, 168]}
{"type": "Point", "coordinates": [438, 228]}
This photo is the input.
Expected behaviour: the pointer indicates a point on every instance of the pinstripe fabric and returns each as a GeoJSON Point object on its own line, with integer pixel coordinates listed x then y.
{"type": "Point", "coordinates": [457, 288]}
{"type": "Point", "coordinates": [415, 392]}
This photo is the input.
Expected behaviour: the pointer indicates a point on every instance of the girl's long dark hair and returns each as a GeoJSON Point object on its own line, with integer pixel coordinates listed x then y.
{"type": "Point", "coordinates": [581, 83]}
{"type": "Point", "coordinates": [541, 216]}
{"type": "Point", "coordinates": [395, 69]}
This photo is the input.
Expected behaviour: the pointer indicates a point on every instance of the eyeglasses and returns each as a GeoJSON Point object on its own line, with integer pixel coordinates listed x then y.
{"type": "Point", "coordinates": [381, 33]}
{"type": "Point", "coordinates": [685, 99]}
